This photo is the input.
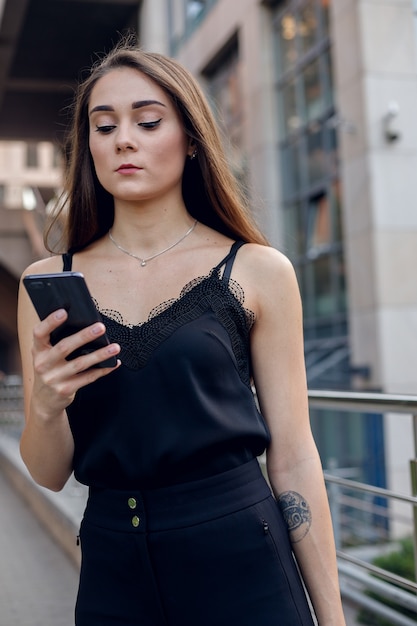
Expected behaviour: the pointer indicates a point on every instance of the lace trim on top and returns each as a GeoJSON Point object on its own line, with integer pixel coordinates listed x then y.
{"type": "Point", "coordinates": [234, 287]}
{"type": "Point", "coordinates": [224, 297]}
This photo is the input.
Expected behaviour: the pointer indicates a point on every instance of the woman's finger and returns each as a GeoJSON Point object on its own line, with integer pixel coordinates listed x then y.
{"type": "Point", "coordinates": [42, 331]}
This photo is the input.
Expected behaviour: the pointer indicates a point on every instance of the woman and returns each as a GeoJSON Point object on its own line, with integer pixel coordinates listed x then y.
{"type": "Point", "coordinates": [180, 526]}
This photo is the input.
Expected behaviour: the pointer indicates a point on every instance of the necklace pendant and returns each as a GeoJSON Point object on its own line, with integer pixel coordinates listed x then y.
{"type": "Point", "coordinates": [143, 263]}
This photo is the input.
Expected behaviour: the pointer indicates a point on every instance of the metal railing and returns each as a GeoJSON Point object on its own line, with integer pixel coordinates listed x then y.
{"type": "Point", "coordinates": [358, 576]}
{"type": "Point", "coordinates": [365, 578]}
{"type": "Point", "coordinates": [11, 405]}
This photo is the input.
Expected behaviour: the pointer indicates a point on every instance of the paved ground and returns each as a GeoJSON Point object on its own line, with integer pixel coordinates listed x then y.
{"type": "Point", "coordinates": [38, 582]}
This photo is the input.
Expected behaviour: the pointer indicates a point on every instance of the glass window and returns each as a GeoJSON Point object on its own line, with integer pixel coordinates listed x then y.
{"type": "Point", "coordinates": [308, 26]}
{"type": "Point", "coordinates": [287, 54]}
{"type": "Point", "coordinates": [305, 274]}
{"type": "Point", "coordinates": [327, 80]}
{"type": "Point", "coordinates": [318, 224]}
{"type": "Point", "coordinates": [336, 211]}
{"type": "Point", "coordinates": [291, 121]}
{"type": "Point", "coordinates": [194, 8]}
{"type": "Point", "coordinates": [291, 168]}
{"type": "Point", "coordinates": [294, 229]}
{"type": "Point", "coordinates": [183, 17]}
{"type": "Point", "coordinates": [57, 156]}
{"type": "Point", "coordinates": [224, 84]}
{"type": "Point", "coordinates": [324, 302]}
{"type": "Point", "coordinates": [332, 151]}
{"type": "Point", "coordinates": [32, 155]}
{"type": "Point", "coordinates": [315, 103]}
{"type": "Point", "coordinates": [316, 155]}
{"type": "Point", "coordinates": [340, 279]}
{"type": "Point", "coordinates": [309, 162]}
{"type": "Point", "coordinates": [324, 14]}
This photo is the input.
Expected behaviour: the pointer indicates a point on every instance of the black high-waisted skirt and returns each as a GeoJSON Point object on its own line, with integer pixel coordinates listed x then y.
{"type": "Point", "coordinates": [213, 552]}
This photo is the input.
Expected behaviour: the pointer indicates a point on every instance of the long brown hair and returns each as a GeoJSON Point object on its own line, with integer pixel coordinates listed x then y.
{"type": "Point", "coordinates": [210, 190]}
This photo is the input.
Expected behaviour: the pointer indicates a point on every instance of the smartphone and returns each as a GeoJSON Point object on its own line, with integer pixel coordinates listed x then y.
{"type": "Point", "coordinates": [69, 291]}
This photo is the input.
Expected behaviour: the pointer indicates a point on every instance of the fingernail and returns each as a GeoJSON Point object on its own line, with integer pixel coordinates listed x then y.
{"type": "Point", "coordinates": [97, 329]}
{"type": "Point", "coordinates": [60, 314]}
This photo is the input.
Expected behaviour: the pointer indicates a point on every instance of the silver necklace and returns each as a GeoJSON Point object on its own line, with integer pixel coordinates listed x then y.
{"type": "Point", "coordinates": [143, 262]}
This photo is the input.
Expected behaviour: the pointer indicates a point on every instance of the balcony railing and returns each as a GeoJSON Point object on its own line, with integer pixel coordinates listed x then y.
{"type": "Point", "coordinates": [359, 577]}
{"type": "Point", "coordinates": [11, 405]}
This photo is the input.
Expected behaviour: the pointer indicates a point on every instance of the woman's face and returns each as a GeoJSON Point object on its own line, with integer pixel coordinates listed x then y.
{"type": "Point", "coordinates": [137, 139]}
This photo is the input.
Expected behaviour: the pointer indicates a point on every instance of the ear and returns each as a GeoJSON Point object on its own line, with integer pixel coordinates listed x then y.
{"type": "Point", "coordinates": [191, 148]}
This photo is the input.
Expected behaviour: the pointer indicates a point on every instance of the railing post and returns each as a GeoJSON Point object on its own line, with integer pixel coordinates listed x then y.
{"type": "Point", "coordinates": [413, 473]}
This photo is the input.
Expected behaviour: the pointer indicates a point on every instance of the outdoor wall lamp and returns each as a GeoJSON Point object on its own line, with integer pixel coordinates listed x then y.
{"type": "Point", "coordinates": [390, 123]}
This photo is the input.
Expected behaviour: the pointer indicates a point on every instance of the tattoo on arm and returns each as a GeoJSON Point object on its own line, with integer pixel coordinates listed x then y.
{"type": "Point", "coordinates": [296, 513]}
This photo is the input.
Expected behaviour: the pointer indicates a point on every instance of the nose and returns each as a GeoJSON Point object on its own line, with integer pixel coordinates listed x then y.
{"type": "Point", "coordinates": [124, 140]}
{"type": "Point", "coordinates": [125, 145]}
{"type": "Point", "coordinates": [121, 146]}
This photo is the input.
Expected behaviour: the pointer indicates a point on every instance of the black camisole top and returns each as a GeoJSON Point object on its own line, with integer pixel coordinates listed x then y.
{"type": "Point", "coordinates": [181, 406]}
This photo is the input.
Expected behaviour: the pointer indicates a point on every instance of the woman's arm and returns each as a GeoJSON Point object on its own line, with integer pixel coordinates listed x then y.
{"type": "Point", "coordinates": [50, 383]}
{"type": "Point", "coordinates": [293, 463]}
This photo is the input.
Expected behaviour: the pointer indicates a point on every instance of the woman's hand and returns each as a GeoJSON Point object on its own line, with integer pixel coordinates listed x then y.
{"type": "Point", "coordinates": [50, 383]}
{"type": "Point", "coordinates": [56, 380]}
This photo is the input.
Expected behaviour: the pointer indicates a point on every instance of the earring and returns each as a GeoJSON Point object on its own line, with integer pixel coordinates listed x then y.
{"type": "Point", "coordinates": [194, 154]}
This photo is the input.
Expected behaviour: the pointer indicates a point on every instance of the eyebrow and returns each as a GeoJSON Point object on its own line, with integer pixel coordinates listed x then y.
{"type": "Point", "coordinates": [135, 105]}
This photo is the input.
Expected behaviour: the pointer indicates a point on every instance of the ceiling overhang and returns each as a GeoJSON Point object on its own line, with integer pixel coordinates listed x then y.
{"type": "Point", "coordinates": [44, 47]}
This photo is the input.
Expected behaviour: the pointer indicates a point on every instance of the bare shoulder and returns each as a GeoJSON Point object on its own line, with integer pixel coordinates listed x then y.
{"type": "Point", "coordinates": [49, 265]}
{"type": "Point", "coordinates": [265, 258]}
{"type": "Point", "coordinates": [265, 266]}
{"type": "Point", "coordinates": [268, 278]}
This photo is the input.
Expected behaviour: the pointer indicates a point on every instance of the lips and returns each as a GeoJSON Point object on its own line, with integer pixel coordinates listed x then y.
{"type": "Point", "coordinates": [127, 168]}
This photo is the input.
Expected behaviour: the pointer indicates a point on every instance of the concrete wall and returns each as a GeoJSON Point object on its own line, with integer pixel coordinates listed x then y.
{"type": "Point", "coordinates": [375, 65]}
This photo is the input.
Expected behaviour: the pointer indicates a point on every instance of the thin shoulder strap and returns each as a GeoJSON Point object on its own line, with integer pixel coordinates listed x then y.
{"type": "Point", "coordinates": [229, 260]}
{"type": "Point", "coordinates": [67, 261]}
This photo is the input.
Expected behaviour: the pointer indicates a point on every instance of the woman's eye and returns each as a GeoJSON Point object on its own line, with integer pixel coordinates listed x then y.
{"type": "Point", "coordinates": [150, 125]}
{"type": "Point", "coordinates": [107, 128]}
